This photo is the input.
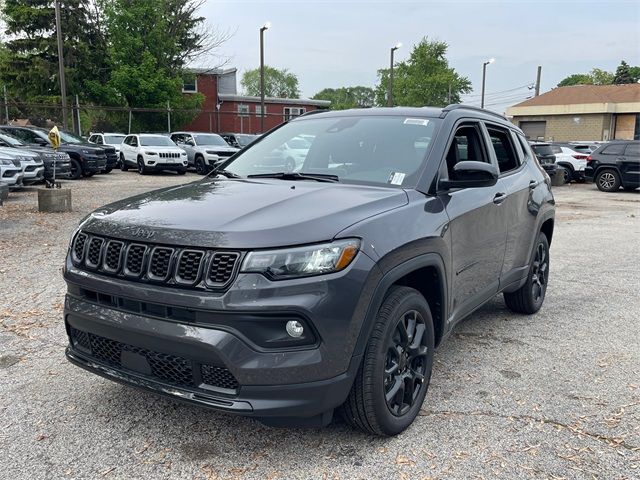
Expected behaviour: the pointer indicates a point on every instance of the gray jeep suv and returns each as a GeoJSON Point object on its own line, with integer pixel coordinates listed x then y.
{"type": "Point", "coordinates": [285, 295]}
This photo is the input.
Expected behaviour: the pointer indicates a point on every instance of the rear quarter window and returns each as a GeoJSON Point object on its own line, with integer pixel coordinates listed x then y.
{"type": "Point", "coordinates": [633, 150]}
{"type": "Point", "coordinates": [615, 149]}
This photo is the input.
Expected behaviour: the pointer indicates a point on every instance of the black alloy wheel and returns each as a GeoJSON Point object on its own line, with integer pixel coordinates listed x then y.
{"type": "Point", "coordinates": [405, 363]}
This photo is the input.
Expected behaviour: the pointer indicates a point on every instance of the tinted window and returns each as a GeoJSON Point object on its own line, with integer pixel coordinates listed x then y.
{"type": "Point", "coordinates": [113, 139]}
{"type": "Point", "coordinates": [360, 149]}
{"type": "Point", "coordinates": [504, 149]}
{"type": "Point", "coordinates": [556, 149]}
{"type": "Point", "coordinates": [210, 139]}
{"type": "Point", "coordinates": [466, 145]}
{"type": "Point", "coordinates": [542, 149]}
{"type": "Point", "coordinates": [10, 140]}
{"type": "Point", "coordinates": [613, 149]}
{"type": "Point", "coordinates": [159, 141]}
{"type": "Point", "coordinates": [633, 150]}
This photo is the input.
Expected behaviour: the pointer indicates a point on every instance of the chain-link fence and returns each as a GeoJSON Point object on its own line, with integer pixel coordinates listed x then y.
{"type": "Point", "coordinates": [84, 119]}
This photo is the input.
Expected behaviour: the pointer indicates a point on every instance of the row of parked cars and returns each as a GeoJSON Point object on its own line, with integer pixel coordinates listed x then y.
{"type": "Point", "coordinates": [610, 165]}
{"type": "Point", "coordinates": [177, 151]}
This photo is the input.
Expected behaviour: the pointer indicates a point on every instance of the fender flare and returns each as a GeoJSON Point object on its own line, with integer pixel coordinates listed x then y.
{"type": "Point", "coordinates": [392, 276]}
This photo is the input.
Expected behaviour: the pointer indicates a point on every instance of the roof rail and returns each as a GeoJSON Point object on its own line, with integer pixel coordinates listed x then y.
{"type": "Point", "coordinates": [458, 106]}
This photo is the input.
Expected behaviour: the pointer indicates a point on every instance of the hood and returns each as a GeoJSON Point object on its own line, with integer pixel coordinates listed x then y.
{"type": "Point", "coordinates": [74, 147]}
{"type": "Point", "coordinates": [17, 152]}
{"type": "Point", "coordinates": [218, 148]}
{"type": "Point", "coordinates": [246, 213]}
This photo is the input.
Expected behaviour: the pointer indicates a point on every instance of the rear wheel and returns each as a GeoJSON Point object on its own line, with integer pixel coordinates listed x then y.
{"type": "Point", "coordinates": [142, 169]}
{"type": "Point", "coordinates": [76, 169]}
{"type": "Point", "coordinates": [123, 165]}
{"type": "Point", "coordinates": [529, 298]}
{"type": "Point", "coordinates": [201, 168]}
{"type": "Point", "coordinates": [568, 173]}
{"type": "Point", "coordinates": [392, 381]}
{"type": "Point", "coordinates": [608, 180]}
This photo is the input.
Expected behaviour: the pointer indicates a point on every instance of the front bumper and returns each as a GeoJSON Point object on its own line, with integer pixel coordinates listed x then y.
{"type": "Point", "coordinates": [161, 165]}
{"type": "Point", "coordinates": [93, 163]}
{"type": "Point", "coordinates": [34, 176]}
{"type": "Point", "coordinates": [62, 169]}
{"type": "Point", "coordinates": [203, 329]}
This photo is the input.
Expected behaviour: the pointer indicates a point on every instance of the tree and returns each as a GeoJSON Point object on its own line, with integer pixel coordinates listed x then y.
{"type": "Point", "coordinates": [347, 97]}
{"type": "Point", "coordinates": [601, 77]}
{"type": "Point", "coordinates": [623, 74]}
{"type": "Point", "coordinates": [424, 79]}
{"type": "Point", "coordinates": [279, 83]}
{"type": "Point", "coordinates": [576, 79]}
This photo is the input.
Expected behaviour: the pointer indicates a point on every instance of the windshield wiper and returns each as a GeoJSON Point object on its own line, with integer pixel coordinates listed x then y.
{"type": "Point", "coordinates": [318, 177]}
{"type": "Point", "coordinates": [226, 173]}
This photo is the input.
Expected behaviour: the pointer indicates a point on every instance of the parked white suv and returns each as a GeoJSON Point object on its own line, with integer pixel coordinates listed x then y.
{"type": "Point", "coordinates": [10, 174]}
{"type": "Point", "coordinates": [204, 150]}
{"type": "Point", "coordinates": [112, 139]}
{"type": "Point", "coordinates": [30, 163]}
{"type": "Point", "coordinates": [148, 152]}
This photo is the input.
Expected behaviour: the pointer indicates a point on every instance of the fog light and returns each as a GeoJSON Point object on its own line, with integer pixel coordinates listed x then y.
{"type": "Point", "coordinates": [294, 328]}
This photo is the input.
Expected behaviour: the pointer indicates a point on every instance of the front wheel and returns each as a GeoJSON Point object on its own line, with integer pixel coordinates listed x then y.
{"type": "Point", "coordinates": [76, 169]}
{"type": "Point", "coordinates": [392, 381]}
{"type": "Point", "coordinates": [123, 165]}
{"type": "Point", "coordinates": [608, 180]}
{"type": "Point", "coordinates": [142, 169]}
{"type": "Point", "coordinates": [201, 168]}
{"type": "Point", "coordinates": [529, 298]}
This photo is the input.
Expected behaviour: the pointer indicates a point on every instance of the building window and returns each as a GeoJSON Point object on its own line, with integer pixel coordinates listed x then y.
{"type": "Point", "coordinates": [243, 110]}
{"type": "Point", "coordinates": [189, 83]}
{"type": "Point", "coordinates": [290, 112]}
{"type": "Point", "coordinates": [259, 110]}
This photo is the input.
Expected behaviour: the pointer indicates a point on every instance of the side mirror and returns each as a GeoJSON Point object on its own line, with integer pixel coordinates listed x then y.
{"type": "Point", "coordinates": [469, 174]}
{"type": "Point", "coordinates": [42, 142]}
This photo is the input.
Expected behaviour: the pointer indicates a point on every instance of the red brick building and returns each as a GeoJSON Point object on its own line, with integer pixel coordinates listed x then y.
{"type": "Point", "coordinates": [226, 111]}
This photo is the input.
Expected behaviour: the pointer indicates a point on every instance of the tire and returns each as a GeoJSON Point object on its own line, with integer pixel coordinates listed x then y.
{"type": "Point", "coordinates": [76, 169]}
{"type": "Point", "coordinates": [201, 168]}
{"type": "Point", "coordinates": [608, 180]}
{"type": "Point", "coordinates": [182, 171]}
{"type": "Point", "coordinates": [142, 169]}
{"type": "Point", "coordinates": [123, 165]}
{"type": "Point", "coordinates": [529, 298]}
{"type": "Point", "coordinates": [568, 174]}
{"type": "Point", "coordinates": [368, 406]}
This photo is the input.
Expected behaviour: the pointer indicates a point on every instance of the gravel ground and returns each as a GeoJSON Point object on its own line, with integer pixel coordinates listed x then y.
{"type": "Point", "coordinates": [556, 395]}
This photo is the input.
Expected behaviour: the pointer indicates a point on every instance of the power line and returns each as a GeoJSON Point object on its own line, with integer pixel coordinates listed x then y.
{"type": "Point", "coordinates": [528, 85]}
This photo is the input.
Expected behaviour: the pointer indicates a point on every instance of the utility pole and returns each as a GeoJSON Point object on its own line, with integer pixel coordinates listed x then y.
{"type": "Point", "coordinates": [262, 30]}
{"type": "Point", "coordinates": [538, 80]}
{"type": "Point", "coordinates": [484, 77]}
{"type": "Point", "coordinates": [63, 84]}
{"type": "Point", "coordinates": [6, 105]}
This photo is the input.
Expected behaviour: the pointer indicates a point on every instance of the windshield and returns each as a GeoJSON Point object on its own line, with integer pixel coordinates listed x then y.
{"type": "Point", "coordinates": [380, 150]}
{"type": "Point", "coordinates": [542, 149]}
{"type": "Point", "coordinates": [244, 139]}
{"type": "Point", "coordinates": [70, 138]}
{"type": "Point", "coordinates": [113, 139]}
{"type": "Point", "coordinates": [159, 141]}
{"type": "Point", "coordinates": [13, 141]}
{"type": "Point", "coordinates": [210, 139]}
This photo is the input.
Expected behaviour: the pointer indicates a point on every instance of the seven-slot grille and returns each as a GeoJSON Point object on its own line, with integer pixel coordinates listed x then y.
{"type": "Point", "coordinates": [143, 262]}
{"type": "Point", "coordinates": [169, 155]}
{"type": "Point", "coordinates": [164, 367]}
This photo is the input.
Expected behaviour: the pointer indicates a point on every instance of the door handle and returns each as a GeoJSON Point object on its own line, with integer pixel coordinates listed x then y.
{"type": "Point", "coordinates": [499, 198]}
{"type": "Point", "coordinates": [533, 184]}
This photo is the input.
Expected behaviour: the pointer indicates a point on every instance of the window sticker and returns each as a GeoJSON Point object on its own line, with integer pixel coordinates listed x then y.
{"type": "Point", "coordinates": [416, 121]}
{"type": "Point", "coordinates": [396, 178]}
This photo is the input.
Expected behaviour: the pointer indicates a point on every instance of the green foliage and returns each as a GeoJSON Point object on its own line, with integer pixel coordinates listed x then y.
{"type": "Point", "coordinates": [348, 97]}
{"type": "Point", "coordinates": [576, 79]}
{"type": "Point", "coordinates": [423, 79]}
{"type": "Point", "coordinates": [279, 83]}
{"type": "Point", "coordinates": [601, 77]}
{"type": "Point", "coordinates": [624, 74]}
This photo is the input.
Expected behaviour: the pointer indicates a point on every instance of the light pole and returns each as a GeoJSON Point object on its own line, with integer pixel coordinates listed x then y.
{"type": "Point", "coordinates": [390, 86]}
{"type": "Point", "coordinates": [484, 75]}
{"type": "Point", "coordinates": [262, 29]}
{"type": "Point", "coordinates": [63, 84]}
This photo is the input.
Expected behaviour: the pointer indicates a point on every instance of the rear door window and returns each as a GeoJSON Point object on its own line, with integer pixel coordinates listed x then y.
{"type": "Point", "coordinates": [633, 150]}
{"type": "Point", "coordinates": [504, 149]}
{"type": "Point", "coordinates": [614, 149]}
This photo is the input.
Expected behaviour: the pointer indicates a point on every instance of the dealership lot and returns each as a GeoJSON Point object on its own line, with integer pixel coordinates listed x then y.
{"type": "Point", "coordinates": [553, 395]}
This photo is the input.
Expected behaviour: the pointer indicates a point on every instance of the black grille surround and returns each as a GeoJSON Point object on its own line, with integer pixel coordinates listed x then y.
{"type": "Point", "coordinates": [180, 267]}
{"type": "Point", "coordinates": [164, 367]}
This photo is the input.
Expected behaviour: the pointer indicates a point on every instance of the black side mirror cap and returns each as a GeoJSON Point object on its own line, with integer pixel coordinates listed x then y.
{"type": "Point", "coordinates": [471, 174]}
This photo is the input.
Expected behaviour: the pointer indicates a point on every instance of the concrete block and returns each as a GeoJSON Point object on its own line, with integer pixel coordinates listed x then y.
{"type": "Point", "coordinates": [54, 199]}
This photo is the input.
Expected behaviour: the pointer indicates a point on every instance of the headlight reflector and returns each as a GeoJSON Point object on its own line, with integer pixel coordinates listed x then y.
{"type": "Point", "coordinates": [303, 261]}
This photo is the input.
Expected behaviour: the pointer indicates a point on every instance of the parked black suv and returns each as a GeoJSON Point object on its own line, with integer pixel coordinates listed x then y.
{"type": "Point", "coordinates": [546, 157]}
{"type": "Point", "coordinates": [284, 295]}
{"type": "Point", "coordinates": [614, 165]}
{"type": "Point", "coordinates": [86, 158]}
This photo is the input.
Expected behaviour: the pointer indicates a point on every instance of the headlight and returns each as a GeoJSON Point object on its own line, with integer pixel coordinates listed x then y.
{"type": "Point", "coordinates": [211, 152]}
{"type": "Point", "coordinates": [303, 261]}
{"type": "Point", "coordinates": [86, 152]}
{"type": "Point", "coordinates": [184, 154]}
{"type": "Point", "coordinates": [150, 153]}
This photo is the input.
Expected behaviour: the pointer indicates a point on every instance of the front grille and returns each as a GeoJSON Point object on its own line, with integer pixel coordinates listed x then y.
{"type": "Point", "coordinates": [160, 263]}
{"type": "Point", "coordinates": [169, 155]}
{"type": "Point", "coordinates": [222, 267]}
{"type": "Point", "coordinates": [31, 168]}
{"type": "Point", "coordinates": [10, 173]}
{"type": "Point", "coordinates": [189, 266]}
{"type": "Point", "coordinates": [135, 259]}
{"type": "Point", "coordinates": [174, 266]}
{"type": "Point", "coordinates": [93, 254]}
{"type": "Point", "coordinates": [167, 368]}
{"type": "Point", "coordinates": [225, 154]}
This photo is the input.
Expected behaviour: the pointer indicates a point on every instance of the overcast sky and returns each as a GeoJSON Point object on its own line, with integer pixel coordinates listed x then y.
{"type": "Point", "coordinates": [333, 43]}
